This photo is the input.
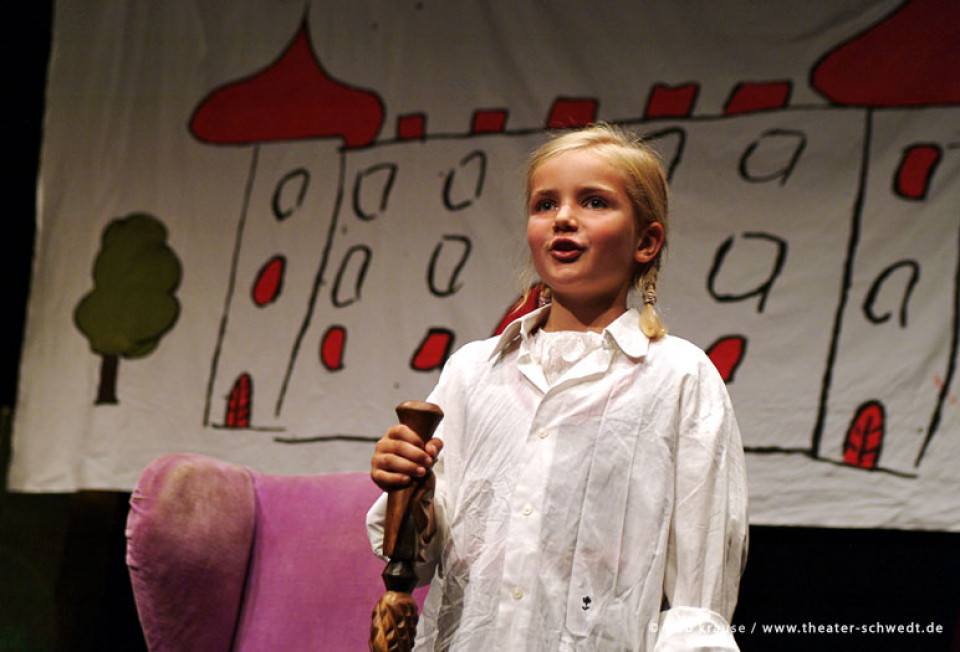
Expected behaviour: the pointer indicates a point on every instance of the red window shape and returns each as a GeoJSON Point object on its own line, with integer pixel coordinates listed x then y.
{"type": "Point", "coordinates": [865, 436]}
{"type": "Point", "coordinates": [331, 348]}
{"type": "Point", "coordinates": [726, 355]}
{"type": "Point", "coordinates": [433, 350]}
{"type": "Point", "coordinates": [411, 126]}
{"type": "Point", "coordinates": [748, 97]}
{"type": "Point", "coordinates": [240, 403]}
{"type": "Point", "coordinates": [524, 305]}
{"type": "Point", "coordinates": [671, 101]}
{"type": "Point", "coordinates": [489, 121]}
{"type": "Point", "coordinates": [916, 170]}
{"type": "Point", "coordinates": [269, 283]}
{"type": "Point", "coordinates": [572, 112]}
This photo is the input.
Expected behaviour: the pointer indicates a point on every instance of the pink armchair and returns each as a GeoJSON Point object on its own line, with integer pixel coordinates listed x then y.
{"type": "Point", "coordinates": [225, 558]}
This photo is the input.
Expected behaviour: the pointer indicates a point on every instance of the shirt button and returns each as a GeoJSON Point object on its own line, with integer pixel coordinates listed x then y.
{"type": "Point", "coordinates": [517, 593]}
{"type": "Point", "coordinates": [542, 433]}
{"type": "Point", "coordinates": [527, 509]}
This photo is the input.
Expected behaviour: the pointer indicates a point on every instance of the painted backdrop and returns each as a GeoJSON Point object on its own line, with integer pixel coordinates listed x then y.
{"type": "Point", "coordinates": [262, 225]}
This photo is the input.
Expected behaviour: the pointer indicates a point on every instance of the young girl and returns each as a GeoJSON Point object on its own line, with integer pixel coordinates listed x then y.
{"type": "Point", "coordinates": [591, 492]}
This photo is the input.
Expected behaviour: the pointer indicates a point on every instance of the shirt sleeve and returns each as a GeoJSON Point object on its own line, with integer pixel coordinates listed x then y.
{"type": "Point", "coordinates": [707, 546]}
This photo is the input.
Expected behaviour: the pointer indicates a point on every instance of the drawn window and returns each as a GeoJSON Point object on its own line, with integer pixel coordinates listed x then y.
{"type": "Point", "coordinates": [240, 403]}
{"type": "Point", "coordinates": [861, 447]}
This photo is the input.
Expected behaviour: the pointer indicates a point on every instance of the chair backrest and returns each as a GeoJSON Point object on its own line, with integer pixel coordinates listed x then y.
{"type": "Point", "coordinates": [222, 557]}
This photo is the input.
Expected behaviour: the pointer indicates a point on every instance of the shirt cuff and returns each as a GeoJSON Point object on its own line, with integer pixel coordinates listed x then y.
{"type": "Point", "coordinates": [692, 628]}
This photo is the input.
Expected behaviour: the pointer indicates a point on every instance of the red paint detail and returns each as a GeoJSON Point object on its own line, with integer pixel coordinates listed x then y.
{"type": "Point", "coordinates": [292, 99]}
{"type": "Point", "coordinates": [240, 403]}
{"type": "Point", "coordinates": [269, 281]}
{"type": "Point", "coordinates": [916, 170]}
{"type": "Point", "coordinates": [938, 381]}
{"type": "Point", "coordinates": [727, 354]}
{"type": "Point", "coordinates": [907, 59]}
{"type": "Point", "coordinates": [571, 112]}
{"type": "Point", "coordinates": [671, 101]}
{"type": "Point", "coordinates": [412, 126]}
{"type": "Point", "coordinates": [331, 348]}
{"type": "Point", "coordinates": [861, 447]}
{"type": "Point", "coordinates": [433, 350]}
{"type": "Point", "coordinates": [520, 308]}
{"type": "Point", "coordinates": [487, 122]}
{"type": "Point", "coordinates": [748, 97]}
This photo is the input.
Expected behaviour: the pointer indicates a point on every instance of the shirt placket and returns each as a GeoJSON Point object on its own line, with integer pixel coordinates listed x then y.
{"type": "Point", "coordinates": [522, 544]}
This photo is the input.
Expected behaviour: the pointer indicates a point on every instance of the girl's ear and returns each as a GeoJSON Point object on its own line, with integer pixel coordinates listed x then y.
{"type": "Point", "coordinates": [650, 243]}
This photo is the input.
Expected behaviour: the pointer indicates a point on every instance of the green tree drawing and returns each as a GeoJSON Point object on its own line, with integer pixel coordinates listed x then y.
{"type": "Point", "coordinates": [132, 304]}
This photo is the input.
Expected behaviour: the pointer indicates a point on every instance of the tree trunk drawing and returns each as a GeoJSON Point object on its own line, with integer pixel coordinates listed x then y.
{"type": "Point", "coordinates": [107, 394]}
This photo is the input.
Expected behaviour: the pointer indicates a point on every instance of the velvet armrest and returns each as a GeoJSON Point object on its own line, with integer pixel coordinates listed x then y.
{"type": "Point", "coordinates": [189, 536]}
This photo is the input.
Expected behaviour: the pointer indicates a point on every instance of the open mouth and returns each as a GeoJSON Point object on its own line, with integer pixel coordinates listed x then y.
{"type": "Point", "coordinates": [566, 250]}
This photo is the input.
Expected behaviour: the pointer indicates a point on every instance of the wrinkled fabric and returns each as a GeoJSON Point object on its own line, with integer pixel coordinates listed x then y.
{"type": "Point", "coordinates": [573, 512]}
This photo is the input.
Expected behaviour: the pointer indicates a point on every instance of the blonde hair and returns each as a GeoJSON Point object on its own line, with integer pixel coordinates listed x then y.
{"type": "Point", "coordinates": [645, 183]}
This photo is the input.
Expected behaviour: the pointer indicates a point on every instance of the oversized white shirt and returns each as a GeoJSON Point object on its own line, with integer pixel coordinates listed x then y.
{"type": "Point", "coordinates": [572, 513]}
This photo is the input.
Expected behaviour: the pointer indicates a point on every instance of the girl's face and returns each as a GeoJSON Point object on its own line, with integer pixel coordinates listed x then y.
{"type": "Point", "coordinates": [582, 230]}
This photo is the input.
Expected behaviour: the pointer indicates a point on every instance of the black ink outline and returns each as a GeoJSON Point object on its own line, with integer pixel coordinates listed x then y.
{"type": "Point", "coordinates": [661, 134]}
{"type": "Point", "coordinates": [763, 290]}
{"type": "Point", "coordinates": [361, 276]}
{"type": "Point", "coordinates": [877, 284]}
{"type": "Point", "coordinates": [385, 195]}
{"type": "Point", "coordinates": [231, 283]}
{"type": "Point", "coordinates": [951, 365]}
{"type": "Point", "coordinates": [275, 201]}
{"type": "Point", "coordinates": [783, 175]}
{"type": "Point", "coordinates": [846, 282]}
{"type": "Point", "coordinates": [452, 287]}
{"type": "Point", "coordinates": [318, 282]}
{"type": "Point", "coordinates": [448, 183]}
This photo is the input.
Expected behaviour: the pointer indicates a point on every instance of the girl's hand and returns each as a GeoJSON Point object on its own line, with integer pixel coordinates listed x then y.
{"type": "Point", "coordinates": [400, 456]}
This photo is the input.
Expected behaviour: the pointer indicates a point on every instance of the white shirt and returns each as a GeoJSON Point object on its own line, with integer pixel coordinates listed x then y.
{"type": "Point", "coordinates": [572, 512]}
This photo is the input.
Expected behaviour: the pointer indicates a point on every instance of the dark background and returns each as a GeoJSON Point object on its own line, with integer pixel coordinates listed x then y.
{"type": "Point", "coordinates": [63, 582]}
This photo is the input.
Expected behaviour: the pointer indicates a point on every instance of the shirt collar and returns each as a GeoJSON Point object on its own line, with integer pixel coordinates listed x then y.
{"type": "Point", "coordinates": [626, 334]}
{"type": "Point", "coordinates": [520, 328]}
{"type": "Point", "coordinates": [623, 333]}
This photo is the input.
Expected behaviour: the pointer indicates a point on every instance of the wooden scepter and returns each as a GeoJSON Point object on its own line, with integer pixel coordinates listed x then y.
{"type": "Point", "coordinates": [393, 625]}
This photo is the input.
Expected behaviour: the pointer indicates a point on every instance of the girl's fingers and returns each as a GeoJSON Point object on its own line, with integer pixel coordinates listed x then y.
{"type": "Point", "coordinates": [393, 472]}
{"type": "Point", "coordinates": [386, 480]}
{"type": "Point", "coordinates": [433, 447]}
{"type": "Point", "coordinates": [403, 433]}
{"type": "Point", "coordinates": [400, 456]}
{"type": "Point", "coordinates": [394, 463]}
{"type": "Point", "coordinates": [404, 443]}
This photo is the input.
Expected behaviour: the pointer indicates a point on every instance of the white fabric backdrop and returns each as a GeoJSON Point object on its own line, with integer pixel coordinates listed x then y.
{"type": "Point", "coordinates": [809, 224]}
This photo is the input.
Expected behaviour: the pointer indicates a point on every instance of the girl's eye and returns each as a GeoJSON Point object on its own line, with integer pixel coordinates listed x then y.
{"type": "Point", "coordinates": [596, 202]}
{"type": "Point", "coordinates": [543, 205]}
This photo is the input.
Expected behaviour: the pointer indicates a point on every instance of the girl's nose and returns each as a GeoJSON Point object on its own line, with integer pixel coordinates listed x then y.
{"type": "Point", "coordinates": [565, 219]}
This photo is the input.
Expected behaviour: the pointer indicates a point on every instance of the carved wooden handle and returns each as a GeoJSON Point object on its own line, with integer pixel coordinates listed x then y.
{"type": "Point", "coordinates": [422, 418]}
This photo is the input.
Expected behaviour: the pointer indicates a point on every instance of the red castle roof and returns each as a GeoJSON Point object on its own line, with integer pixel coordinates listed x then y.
{"type": "Point", "coordinates": [911, 58]}
{"type": "Point", "coordinates": [292, 99]}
